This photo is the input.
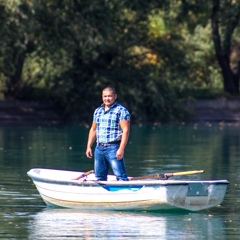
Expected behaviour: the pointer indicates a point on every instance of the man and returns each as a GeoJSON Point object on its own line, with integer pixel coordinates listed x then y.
{"type": "Point", "coordinates": [111, 129]}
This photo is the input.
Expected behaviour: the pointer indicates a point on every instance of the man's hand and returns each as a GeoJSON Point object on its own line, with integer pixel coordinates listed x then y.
{"type": "Point", "coordinates": [89, 153]}
{"type": "Point", "coordinates": [119, 154]}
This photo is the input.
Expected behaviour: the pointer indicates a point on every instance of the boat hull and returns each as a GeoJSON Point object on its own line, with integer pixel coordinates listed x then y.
{"type": "Point", "coordinates": [57, 189]}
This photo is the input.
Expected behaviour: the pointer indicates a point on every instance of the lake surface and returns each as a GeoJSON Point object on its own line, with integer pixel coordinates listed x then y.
{"type": "Point", "coordinates": [151, 150]}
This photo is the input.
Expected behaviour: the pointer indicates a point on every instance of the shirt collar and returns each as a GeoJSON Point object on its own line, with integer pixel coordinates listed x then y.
{"type": "Point", "coordinates": [112, 106]}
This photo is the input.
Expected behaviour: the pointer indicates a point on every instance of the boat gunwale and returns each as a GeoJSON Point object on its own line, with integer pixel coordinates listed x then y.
{"type": "Point", "coordinates": [36, 177]}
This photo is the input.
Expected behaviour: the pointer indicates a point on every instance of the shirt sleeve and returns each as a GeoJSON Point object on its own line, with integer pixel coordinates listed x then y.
{"type": "Point", "coordinates": [95, 115]}
{"type": "Point", "coordinates": [125, 115]}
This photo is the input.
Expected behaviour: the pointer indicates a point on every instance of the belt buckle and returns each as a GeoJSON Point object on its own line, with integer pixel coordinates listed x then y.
{"type": "Point", "coordinates": [104, 144]}
{"type": "Point", "coordinates": [108, 144]}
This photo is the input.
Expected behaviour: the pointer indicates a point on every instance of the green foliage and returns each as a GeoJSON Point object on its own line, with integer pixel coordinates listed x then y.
{"type": "Point", "coordinates": [201, 56]}
{"type": "Point", "coordinates": [152, 51]}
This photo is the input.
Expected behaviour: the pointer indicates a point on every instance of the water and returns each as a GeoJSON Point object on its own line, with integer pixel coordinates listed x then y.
{"type": "Point", "coordinates": [151, 150]}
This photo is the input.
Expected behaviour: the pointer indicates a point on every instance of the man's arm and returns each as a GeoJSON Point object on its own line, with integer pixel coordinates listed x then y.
{"type": "Point", "coordinates": [91, 139]}
{"type": "Point", "coordinates": [125, 126]}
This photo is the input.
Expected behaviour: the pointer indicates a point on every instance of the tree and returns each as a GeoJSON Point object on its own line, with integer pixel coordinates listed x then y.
{"type": "Point", "coordinates": [225, 19]}
{"type": "Point", "coordinates": [151, 51]}
{"type": "Point", "coordinates": [108, 42]}
{"type": "Point", "coordinates": [17, 41]}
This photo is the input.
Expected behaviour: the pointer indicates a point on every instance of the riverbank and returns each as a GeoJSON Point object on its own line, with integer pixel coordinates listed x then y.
{"type": "Point", "coordinates": [46, 113]}
{"type": "Point", "coordinates": [29, 113]}
{"type": "Point", "coordinates": [223, 111]}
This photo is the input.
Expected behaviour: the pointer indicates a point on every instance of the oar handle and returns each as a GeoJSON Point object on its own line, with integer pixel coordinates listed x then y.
{"type": "Point", "coordinates": [167, 175]}
{"type": "Point", "coordinates": [84, 175]}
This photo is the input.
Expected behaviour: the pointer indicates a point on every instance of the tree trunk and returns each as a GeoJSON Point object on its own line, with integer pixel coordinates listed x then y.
{"type": "Point", "coordinates": [230, 78]}
{"type": "Point", "coordinates": [14, 80]}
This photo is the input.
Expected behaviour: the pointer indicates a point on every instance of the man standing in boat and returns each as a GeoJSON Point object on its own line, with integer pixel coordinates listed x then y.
{"type": "Point", "coordinates": [111, 129]}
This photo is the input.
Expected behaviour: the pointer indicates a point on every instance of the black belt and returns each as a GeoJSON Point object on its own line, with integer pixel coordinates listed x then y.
{"type": "Point", "coordinates": [108, 144]}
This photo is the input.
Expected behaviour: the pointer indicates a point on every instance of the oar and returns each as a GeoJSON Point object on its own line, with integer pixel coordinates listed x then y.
{"type": "Point", "coordinates": [84, 175]}
{"type": "Point", "coordinates": [167, 175]}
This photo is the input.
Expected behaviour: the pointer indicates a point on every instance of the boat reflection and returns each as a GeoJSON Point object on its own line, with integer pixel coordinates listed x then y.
{"type": "Point", "coordinates": [69, 223]}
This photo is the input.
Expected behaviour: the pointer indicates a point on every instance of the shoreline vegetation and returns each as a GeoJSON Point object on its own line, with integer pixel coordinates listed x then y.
{"type": "Point", "coordinates": [45, 113]}
{"type": "Point", "coordinates": [159, 56]}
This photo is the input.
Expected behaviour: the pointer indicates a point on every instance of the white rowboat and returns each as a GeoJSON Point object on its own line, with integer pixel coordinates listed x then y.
{"type": "Point", "coordinates": [59, 189]}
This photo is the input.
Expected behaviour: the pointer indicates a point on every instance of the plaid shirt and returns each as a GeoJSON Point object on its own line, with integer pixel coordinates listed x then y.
{"type": "Point", "coordinates": [108, 122]}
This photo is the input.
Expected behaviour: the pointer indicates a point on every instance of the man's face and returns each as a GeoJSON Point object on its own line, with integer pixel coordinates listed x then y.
{"type": "Point", "coordinates": [108, 97]}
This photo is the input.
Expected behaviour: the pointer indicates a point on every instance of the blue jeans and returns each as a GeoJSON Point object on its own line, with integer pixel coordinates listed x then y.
{"type": "Point", "coordinates": [105, 156]}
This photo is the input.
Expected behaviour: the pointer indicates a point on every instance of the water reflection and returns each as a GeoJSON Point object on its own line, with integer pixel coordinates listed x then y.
{"type": "Point", "coordinates": [66, 223]}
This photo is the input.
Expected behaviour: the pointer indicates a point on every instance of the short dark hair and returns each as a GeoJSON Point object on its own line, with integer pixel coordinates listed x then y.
{"type": "Point", "coordinates": [110, 88]}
